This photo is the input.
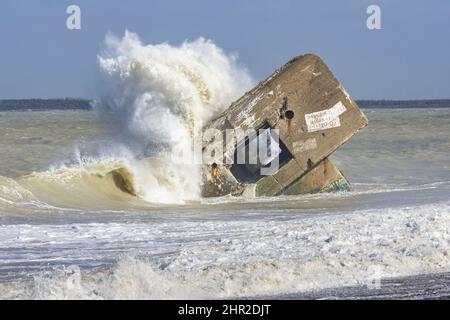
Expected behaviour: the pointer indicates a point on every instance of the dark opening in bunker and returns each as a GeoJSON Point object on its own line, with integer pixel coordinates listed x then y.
{"type": "Point", "coordinates": [250, 171]}
{"type": "Point", "coordinates": [289, 114]}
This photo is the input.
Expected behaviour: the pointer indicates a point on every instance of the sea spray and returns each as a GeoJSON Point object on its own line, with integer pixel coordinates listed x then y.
{"type": "Point", "coordinates": [155, 98]}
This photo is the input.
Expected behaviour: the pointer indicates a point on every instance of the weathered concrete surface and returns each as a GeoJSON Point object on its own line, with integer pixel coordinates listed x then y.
{"type": "Point", "coordinates": [325, 177]}
{"type": "Point", "coordinates": [314, 116]}
{"type": "Point", "coordinates": [225, 183]}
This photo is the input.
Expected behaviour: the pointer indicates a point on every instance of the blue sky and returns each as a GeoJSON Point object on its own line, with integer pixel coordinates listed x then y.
{"type": "Point", "coordinates": [407, 59]}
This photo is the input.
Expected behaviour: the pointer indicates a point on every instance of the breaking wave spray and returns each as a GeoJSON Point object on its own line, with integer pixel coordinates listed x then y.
{"type": "Point", "coordinates": [155, 98]}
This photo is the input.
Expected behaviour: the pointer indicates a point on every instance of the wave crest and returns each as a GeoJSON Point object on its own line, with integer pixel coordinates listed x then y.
{"type": "Point", "coordinates": [155, 98]}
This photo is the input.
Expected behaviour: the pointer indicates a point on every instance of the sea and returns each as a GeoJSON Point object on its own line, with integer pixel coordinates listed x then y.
{"type": "Point", "coordinates": [68, 232]}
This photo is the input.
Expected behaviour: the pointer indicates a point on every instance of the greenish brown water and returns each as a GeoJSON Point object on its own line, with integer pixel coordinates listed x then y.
{"type": "Point", "coordinates": [66, 231]}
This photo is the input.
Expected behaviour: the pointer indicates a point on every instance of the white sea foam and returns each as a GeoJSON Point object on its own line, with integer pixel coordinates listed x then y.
{"type": "Point", "coordinates": [238, 258]}
{"type": "Point", "coordinates": [155, 98]}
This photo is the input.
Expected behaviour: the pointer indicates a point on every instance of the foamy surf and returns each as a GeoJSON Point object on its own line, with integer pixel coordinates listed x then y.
{"type": "Point", "coordinates": [156, 98]}
{"type": "Point", "coordinates": [246, 258]}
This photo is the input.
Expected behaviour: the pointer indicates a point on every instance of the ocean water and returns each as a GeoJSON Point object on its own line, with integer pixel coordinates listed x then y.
{"type": "Point", "coordinates": [68, 232]}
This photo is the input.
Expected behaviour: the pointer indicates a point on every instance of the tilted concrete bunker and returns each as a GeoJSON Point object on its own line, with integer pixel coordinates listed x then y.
{"type": "Point", "coordinates": [314, 115]}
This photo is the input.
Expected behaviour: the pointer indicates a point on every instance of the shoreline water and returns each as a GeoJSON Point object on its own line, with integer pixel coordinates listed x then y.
{"type": "Point", "coordinates": [432, 286]}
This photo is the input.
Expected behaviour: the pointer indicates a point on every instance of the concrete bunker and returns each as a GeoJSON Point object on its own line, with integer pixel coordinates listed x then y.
{"type": "Point", "coordinates": [312, 115]}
